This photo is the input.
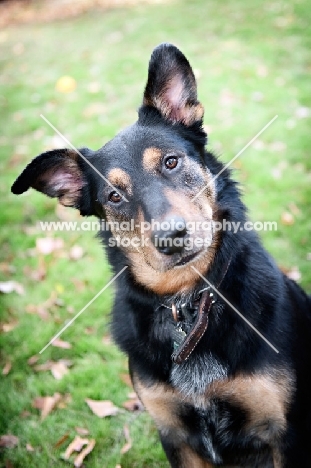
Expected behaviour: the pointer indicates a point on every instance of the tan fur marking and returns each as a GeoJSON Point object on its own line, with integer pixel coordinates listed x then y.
{"type": "Point", "coordinates": [265, 397]}
{"type": "Point", "coordinates": [191, 459]}
{"type": "Point", "coordinates": [148, 265]}
{"type": "Point", "coordinates": [151, 158]}
{"type": "Point", "coordinates": [160, 401]}
{"type": "Point", "coordinates": [119, 178]}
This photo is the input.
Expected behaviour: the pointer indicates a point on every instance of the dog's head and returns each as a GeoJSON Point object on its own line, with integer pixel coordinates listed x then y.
{"type": "Point", "coordinates": [153, 183]}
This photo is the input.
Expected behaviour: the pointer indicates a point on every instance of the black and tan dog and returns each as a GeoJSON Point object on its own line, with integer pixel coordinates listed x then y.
{"type": "Point", "coordinates": [219, 393]}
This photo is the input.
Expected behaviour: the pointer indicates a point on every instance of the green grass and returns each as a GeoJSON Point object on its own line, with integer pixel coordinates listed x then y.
{"type": "Point", "coordinates": [253, 62]}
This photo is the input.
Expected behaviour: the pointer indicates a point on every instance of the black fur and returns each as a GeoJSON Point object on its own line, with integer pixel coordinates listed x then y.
{"type": "Point", "coordinates": [220, 430]}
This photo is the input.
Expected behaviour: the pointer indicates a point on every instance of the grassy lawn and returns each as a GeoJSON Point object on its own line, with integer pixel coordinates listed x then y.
{"type": "Point", "coordinates": [252, 61]}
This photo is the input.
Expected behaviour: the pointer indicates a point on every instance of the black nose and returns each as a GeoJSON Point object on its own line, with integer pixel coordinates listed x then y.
{"type": "Point", "coordinates": [168, 236]}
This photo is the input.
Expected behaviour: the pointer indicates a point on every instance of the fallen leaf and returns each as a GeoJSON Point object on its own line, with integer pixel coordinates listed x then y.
{"type": "Point", "coordinates": [76, 252]}
{"type": "Point", "coordinates": [128, 445]}
{"type": "Point", "coordinates": [107, 340]}
{"type": "Point", "coordinates": [75, 446]}
{"type": "Point", "coordinates": [29, 448]}
{"type": "Point", "coordinates": [7, 327]}
{"type": "Point", "coordinates": [81, 431]}
{"type": "Point", "coordinates": [102, 408]}
{"type": "Point", "coordinates": [287, 218]}
{"type": "Point", "coordinates": [80, 458]}
{"type": "Point", "coordinates": [9, 441]}
{"type": "Point", "coordinates": [46, 404]}
{"type": "Point", "coordinates": [7, 287]}
{"type": "Point", "coordinates": [33, 360]}
{"type": "Point", "coordinates": [294, 208]}
{"type": "Point", "coordinates": [294, 273]}
{"type": "Point", "coordinates": [47, 245]}
{"type": "Point", "coordinates": [59, 369]}
{"type": "Point", "coordinates": [6, 369]}
{"type": "Point", "coordinates": [43, 367]}
{"type": "Point", "coordinates": [66, 84]}
{"type": "Point", "coordinates": [133, 405]}
{"type": "Point", "coordinates": [7, 268]}
{"type": "Point", "coordinates": [58, 343]}
{"type": "Point", "coordinates": [61, 440]}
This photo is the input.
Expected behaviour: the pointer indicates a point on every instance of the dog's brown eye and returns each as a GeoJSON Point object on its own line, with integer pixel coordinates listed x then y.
{"type": "Point", "coordinates": [171, 162]}
{"type": "Point", "coordinates": [115, 197]}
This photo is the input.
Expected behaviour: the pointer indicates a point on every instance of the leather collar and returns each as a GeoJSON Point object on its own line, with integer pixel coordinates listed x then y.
{"type": "Point", "coordinates": [191, 321]}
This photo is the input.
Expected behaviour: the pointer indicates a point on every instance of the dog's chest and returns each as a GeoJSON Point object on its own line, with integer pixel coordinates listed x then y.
{"type": "Point", "coordinates": [230, 419]}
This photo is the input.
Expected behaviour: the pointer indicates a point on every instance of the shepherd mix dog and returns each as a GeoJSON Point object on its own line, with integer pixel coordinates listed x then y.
{"type": "Point", "coordinates": [218, 338]}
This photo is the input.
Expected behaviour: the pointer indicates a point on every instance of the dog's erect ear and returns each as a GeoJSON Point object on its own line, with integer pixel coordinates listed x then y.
{"type": "Point", "coordinates": [57, 173]}
{"type": "Point", "coordinates": [171, 87]}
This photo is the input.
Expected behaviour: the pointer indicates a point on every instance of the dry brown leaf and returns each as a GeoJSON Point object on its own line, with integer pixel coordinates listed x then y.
{"type": "Point", "coordinates": [76, 252]}
{"type": "Point", "coordinates": [48, 245]}
{"type": "Point", "coordinates": [107, 340]}
{"type": "Point", "coordinates": [82, 431]}
{"type": "Point", "coordinates": [7, 287]}
{"type": "Point", "coordinates": [88, 449]}
{"type": "Point", "coordinates": [128, 445]}
{"type": "Point", "coordinates": [58, 343]}
{"type": "Point", "coordinates": [43, 367]}
{"type": "Point", "coordinates": [7, 268]}
{"type": "Point", "coordinates": [75, 446]}
{"type": "Point", "coordinates": [294, 209]}
{"type": "Point", "coordinates": [61, 440]}
{"type": "Point", "coordinates": [126, 379]}
{"type": "Point", "coordinates": [133, 405]}
{"type": "Point", "coordinates": [46, 404]}
{"type": "Point", "coordinates": [294, 273]}
{"type": "Point", "coordinates": [33, 359]}
{"type": "Point", "coordinates": [7, 327]}
{"type": "Point", "coordinates": [8, 441]}
{"type": "Point", "coordinates": [102, 408]}
{"type": "Point", "coordinates": [59, 369]}
{"type": "Point", "coordinates": [7, 367]}
{"type": "Point", "coordinates": [29, 448]}
{"type": "Point", "coordinates": [287, 218]}
{"type": "Point", "coordinates": [40, 310]}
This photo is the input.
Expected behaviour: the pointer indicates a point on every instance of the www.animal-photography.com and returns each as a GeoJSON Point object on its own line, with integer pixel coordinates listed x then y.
{"type": "Point", "coordinates": [155, 266]}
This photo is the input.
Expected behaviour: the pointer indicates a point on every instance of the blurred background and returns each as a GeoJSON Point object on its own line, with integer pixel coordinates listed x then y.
{"type": "Point", "coordinates": [83, 65]}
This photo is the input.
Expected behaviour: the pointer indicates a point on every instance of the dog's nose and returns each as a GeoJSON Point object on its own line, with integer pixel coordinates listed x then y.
{"type": "Point", "coordinates": [168, 236]}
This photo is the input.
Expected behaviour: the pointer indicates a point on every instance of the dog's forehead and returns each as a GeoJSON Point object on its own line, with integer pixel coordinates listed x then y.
{"type": "Point", "coordinates": [136, 144]}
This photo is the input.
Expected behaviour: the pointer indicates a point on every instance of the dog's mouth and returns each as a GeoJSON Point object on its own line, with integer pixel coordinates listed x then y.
{"type": "Point", "coordinates": [187, 259]}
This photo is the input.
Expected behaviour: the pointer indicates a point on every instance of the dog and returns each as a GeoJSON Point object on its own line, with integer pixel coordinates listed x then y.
{"type": "Point", "coordinates": [218, 338]}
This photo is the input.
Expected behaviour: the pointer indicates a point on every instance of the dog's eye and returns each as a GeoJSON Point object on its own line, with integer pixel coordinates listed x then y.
{"type": "Point", "coordinates": [171, 162]}
{"type": "Point", "coordinates": [115, 197]}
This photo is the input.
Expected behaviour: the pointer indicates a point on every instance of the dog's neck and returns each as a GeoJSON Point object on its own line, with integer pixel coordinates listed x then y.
{"type": "Point", "coordinates": [190, 313]}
